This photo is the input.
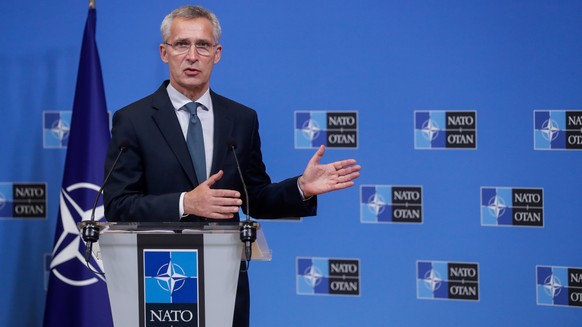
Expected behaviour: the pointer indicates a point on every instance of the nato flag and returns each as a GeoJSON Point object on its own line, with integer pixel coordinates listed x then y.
{"type": "Point", "coordinates": [76, 296]}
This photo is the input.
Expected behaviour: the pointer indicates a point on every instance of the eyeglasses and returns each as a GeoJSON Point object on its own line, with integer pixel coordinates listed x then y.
{"type": "Point", "coordinates": [202, 48]}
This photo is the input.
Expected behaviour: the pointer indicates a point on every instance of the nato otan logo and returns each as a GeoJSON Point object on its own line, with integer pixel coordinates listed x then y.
{"type": "Point", "coordinates": [557, 129]}
{"type": "Point", "coordinates": [390, 204]}
{"type": "Point", "coordinates": [22, 200]}
{"type": "Point", "coordinates": [512, 206]}
{"type": "Point", "coordinates": [559, 286]}
{"type": "Point", "coordinates": [326, 276]}
{"type": "Point", "coordinates": [56, 126]}
{"type": "Point", "coordinates": [171, 288]}
{"type": "Point", "coordinates": [445, 130]}
{"type": "Point", "coordinates": [337, 129]}
{"type": "Point", "coordinates": [440, 280]}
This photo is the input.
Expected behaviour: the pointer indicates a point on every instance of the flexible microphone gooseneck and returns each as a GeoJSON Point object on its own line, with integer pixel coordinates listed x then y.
{"type": "Point", "coordinates": [248, 232]}
{"type": "Point", "coordinates": [91, 231]}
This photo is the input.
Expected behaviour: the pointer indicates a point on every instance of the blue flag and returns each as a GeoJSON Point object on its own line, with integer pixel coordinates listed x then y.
{"type": "Point", "coordinates": [76, 296]}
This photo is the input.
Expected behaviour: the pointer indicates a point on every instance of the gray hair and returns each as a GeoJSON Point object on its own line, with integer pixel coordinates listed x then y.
{"type": "Point", "coordinates": [191, 12]}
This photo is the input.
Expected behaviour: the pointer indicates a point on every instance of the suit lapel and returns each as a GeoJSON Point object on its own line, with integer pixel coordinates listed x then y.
{"type": "Point", "coordinates": [167, 122]}
{"type": "Point", "coordinates": [223, 124]}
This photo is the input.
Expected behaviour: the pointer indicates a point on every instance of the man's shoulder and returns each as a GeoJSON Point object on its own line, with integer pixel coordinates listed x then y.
{"type": "Point", "coordinates": [229, 104]}
{"type": "Point", "coordinates": [152, 101]}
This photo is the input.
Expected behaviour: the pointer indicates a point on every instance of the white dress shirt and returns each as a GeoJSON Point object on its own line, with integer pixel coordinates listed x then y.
{"type": "Point", "coordinates": [206, 119]}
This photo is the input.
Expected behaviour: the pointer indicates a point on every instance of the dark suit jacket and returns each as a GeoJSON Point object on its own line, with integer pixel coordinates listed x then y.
{"type": "Point", "coordinates": [150, 176]}
{"type": "Point", "coordinates": [156, 168]}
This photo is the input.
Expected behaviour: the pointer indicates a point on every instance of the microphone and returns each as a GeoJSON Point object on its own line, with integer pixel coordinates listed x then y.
{"type": "Point", "coordinates": [91, 231]}
{"type": "Point", "coordinates": [248, 231]}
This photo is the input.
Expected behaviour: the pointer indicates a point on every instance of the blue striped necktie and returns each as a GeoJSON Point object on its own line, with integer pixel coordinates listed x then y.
{"type": "Point", "coordinates": [195, 141]}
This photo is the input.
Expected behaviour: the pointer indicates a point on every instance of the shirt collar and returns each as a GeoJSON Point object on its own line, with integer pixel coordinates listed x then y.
{"type": "Point", "coordinates": [179, 100]}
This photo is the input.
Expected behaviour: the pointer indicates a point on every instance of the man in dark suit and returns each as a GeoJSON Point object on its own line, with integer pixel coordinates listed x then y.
{"type": "Point", "coordinates": [159, 179]}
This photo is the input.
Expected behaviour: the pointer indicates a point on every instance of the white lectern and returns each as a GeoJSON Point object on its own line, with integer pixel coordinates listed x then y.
{"type": "Point", "coordinates": [173, 274]}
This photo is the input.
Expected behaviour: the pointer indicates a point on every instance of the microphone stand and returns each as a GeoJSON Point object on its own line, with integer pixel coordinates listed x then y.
{"type": "Point", "coordinates": [248, 231]}
{"type": "Point", "coordinates": [90, 232]}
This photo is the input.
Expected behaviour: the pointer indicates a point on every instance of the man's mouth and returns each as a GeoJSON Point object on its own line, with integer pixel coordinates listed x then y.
{"type": "Point", "coordinates": [191, 71]}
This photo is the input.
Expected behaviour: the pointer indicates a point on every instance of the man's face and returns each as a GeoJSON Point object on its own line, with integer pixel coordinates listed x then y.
{"type": "Point", "coordinates": [190, 72]}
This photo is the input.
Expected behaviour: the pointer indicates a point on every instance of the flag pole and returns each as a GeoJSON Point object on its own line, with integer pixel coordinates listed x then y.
{"type": "Point", "coordinates": [92, 4]}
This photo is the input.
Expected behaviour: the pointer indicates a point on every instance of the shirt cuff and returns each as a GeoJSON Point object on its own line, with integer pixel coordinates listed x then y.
{"type": "Point", "coordinates": [301, 192]}
{"type": "Point", "coordinates": [181, 205]}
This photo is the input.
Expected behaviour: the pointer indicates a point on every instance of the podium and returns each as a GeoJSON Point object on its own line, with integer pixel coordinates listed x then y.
{"type": "Point", "coordinates": [173, 274]}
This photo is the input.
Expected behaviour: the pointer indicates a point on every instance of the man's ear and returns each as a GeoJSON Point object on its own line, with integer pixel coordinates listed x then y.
{"type": "Point", "coordinates": [163, 53]}
{"type": "Point", "coordinates": [218, 54]}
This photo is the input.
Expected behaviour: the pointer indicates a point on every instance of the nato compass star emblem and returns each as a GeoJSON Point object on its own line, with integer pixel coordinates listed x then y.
{"type": "Point", "coordinates": [550, 130]}
{"type": "Point", "coordinates": [311, 129]}
{"type": "Point", "coordinates": [312, 276]}
{"type": "Point", "coordinates": [432, 280]}
{"type": "Point", "coordinates": [497, 206]}
{"type": "Point", "coordinates": [60, 129]}
{"type": "Point", "coordinates": [552, 286]}
{"type": "Point", "coordinates": [171, 277]}
{"type": "Point", "coordinates": [69, 249]}
{"type": "Point", "coordinates": [376, 204]}
{"type": "Point", "coordinates": [430, 129]}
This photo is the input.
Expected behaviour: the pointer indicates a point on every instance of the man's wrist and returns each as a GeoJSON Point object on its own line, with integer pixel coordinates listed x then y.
{"type": "Point", "coordinates": [304, 196]}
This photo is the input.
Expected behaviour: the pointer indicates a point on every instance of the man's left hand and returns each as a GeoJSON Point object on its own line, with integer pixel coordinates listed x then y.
{"type": "Point", "coordinates": [322, 178]}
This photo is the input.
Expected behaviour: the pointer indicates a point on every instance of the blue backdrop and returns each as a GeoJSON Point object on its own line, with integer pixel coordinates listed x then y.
{"type": "Point", "coordinates": [385, 60]}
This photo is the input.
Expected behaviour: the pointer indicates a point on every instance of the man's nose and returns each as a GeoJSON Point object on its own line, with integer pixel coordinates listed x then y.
{"type": "Point", "coordinates": [192, 54]}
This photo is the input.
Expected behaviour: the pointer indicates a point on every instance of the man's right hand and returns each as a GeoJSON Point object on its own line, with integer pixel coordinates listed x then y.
{"type": "Point", "coordinates": [203, 201]}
